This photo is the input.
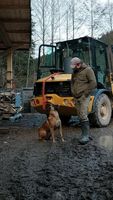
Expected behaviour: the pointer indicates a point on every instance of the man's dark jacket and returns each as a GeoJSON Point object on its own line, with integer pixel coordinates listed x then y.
{"type": "Point", "coordinates": [83, 81]}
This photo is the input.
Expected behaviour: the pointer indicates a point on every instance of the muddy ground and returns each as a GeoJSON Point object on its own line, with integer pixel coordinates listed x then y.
{"type": "Point", "coordinates": [34, 170]}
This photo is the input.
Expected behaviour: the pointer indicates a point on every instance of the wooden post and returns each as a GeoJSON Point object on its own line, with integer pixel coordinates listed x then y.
{"type": "Point", "coordinates": [9, 75]}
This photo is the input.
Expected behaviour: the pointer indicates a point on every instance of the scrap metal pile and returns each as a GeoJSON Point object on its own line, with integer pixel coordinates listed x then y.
{"type": "Point", "coordinates": [10, 104]}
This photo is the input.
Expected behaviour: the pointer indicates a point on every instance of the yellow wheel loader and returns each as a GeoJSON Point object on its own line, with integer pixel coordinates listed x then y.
{"type": "Point", "coordinates": [54, 75]}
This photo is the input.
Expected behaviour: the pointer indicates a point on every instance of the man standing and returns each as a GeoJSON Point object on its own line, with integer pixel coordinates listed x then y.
{"type": "Point", "coordinates": [83, 81]}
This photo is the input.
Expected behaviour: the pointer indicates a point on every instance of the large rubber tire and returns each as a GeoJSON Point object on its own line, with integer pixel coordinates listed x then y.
{"type": "Point", "coordinates": [103, 111]}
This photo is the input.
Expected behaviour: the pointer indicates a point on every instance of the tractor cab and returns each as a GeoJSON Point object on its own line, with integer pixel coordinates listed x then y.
{"type": "Point", "coordinates": [57, 58]}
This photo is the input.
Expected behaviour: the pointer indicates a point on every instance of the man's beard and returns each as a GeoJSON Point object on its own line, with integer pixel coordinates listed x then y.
{"type": "Point", "coordinates": [75, 70]}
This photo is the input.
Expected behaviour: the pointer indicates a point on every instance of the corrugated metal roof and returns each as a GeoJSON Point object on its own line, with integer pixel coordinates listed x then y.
{"type": "Point", "coordinates": [15, 24]}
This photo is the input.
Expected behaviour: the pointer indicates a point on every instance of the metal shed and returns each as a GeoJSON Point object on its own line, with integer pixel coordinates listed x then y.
{"type": "Point", "coordinates": [15, 29]}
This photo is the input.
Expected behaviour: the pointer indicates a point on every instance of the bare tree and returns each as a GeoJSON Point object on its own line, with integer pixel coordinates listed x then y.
{"type": "Point", "coordinates": [67, 24]}
{"type": "Point", "coordinates": [59, 20]}
{"type": "Point", "coordinates": [52, 20]}
{"type": "Point", "coordinates": [92, 19]}
{"type": "Point", "coordinates": [110, 11]}
{"type": "Point", "coordinates": [73, 16]}
{"type": "Point", "coordinates": [41, 18]}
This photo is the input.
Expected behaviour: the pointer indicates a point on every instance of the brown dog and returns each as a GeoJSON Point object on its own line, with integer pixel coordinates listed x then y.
{"type": "Point", "coordinates": [44, 131]}
{"type": "Point", "coordinates": [48, 128]}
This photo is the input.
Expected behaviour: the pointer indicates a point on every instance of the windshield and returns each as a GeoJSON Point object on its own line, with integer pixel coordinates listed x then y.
{"type": "Point", "coordinates": [46, 60]}
{"type": "Point", "coordinates": [73, 48]}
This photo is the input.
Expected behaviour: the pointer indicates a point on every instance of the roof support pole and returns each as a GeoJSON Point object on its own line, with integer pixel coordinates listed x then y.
{"type": "Point", "coordinates": [9, 75]}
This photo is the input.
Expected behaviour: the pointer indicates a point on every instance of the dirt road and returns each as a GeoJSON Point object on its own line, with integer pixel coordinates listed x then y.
{"type": "Point", "coordinates": [33, 170]}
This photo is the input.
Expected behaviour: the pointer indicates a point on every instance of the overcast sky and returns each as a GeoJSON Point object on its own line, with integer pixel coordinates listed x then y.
{"type": "Point", "coordinates": [81, 31]}
{"type": "Point", "coordinates": [105, 1]}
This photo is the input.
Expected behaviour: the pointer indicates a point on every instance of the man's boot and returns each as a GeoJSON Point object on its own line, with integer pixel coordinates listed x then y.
{"type": "Point", "coordinates": [85, 132]}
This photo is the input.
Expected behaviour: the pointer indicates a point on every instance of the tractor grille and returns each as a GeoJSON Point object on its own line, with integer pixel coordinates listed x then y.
{"type": "Point", "coordinates": [59, 88]}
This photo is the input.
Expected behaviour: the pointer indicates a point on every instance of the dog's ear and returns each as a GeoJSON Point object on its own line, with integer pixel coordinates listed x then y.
{"type": "Point", "coordinates": [48, 108]}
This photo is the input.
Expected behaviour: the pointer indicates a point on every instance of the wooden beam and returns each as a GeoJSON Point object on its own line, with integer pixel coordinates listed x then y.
{"type": "Point", "coordinates": [18, 31]}
{"type": "Point", "coordinates": [13, 7]}
{"type": "Point", "coordinates": [21, 42]}
{"type": "Point", "coordinates": [17, 42]}
{"type": "Point", "coordinates": [4, 36]}
{"type": "Point", "coordinates": [16, 47]}
{"type": "Point", "coordinates": [13, 44]}
{"type": "Point", "coordinates": [15, 20]}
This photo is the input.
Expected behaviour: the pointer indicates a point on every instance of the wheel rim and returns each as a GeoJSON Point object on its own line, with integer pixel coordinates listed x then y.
{"type": "Point", "coordinates": [104, 111]}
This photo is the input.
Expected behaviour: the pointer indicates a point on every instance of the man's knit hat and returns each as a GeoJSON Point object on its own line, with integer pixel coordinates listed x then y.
{"type": "Point", "coordinates": [75, 61]}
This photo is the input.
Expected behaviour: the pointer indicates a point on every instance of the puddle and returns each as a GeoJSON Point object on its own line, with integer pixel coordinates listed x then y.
{"type": "Point", "coordinates": [106, 141]}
